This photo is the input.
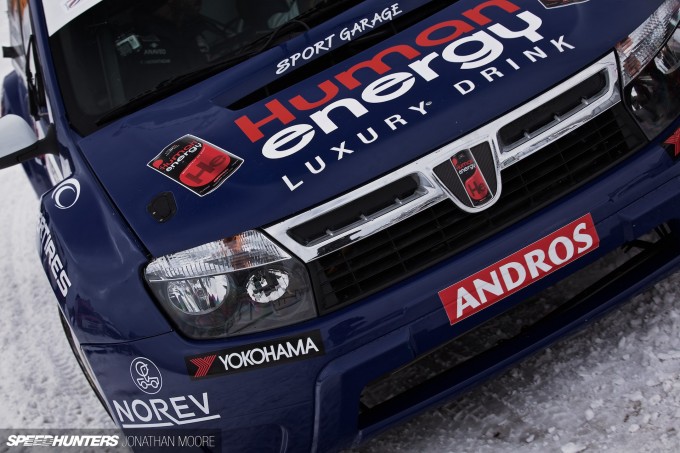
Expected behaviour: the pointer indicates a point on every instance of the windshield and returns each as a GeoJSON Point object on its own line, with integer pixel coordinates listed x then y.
{"type": "Point", "coordinates": [121, 55]}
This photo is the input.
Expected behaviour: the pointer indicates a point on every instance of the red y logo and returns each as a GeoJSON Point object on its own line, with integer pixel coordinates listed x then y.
{"type": "Point", "coordinates": [203, 364]}
{"type": "Point", "coordinates": [674, 141]}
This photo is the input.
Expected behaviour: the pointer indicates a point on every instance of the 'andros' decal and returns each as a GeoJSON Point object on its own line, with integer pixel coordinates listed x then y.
{"type": "Point", "coordinates": [196, 164]}
{"type": "Point", "coordinates": [473, 42]}
{"type": "Point", "coordinates": [520, 269]}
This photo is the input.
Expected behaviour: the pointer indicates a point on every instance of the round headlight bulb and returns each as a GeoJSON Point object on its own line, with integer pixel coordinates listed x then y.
{"type": "Point", "coordinates": [267, 285]}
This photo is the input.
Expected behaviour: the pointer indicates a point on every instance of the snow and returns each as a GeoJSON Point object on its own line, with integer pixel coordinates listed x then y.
{"type": "Point", "coordinates": [615, 386]}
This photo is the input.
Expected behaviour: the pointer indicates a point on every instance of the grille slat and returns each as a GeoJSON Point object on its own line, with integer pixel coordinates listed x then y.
{"type": "Point", "coordinates": [441, 231]}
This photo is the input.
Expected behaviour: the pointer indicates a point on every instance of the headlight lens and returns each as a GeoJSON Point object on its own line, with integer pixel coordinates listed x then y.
{"type": "Point", "coordinates": [238, 285]}
{"type": "Point", "coordinates": [649, 59]}
{"type": "Point", "coordinates": [636, 51]}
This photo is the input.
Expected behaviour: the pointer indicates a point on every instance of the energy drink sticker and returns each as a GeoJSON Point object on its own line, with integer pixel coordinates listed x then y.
{"type": "Point", "coordinates": [196, 164]}
{"type": "Point", "coordinates": [471, 177]}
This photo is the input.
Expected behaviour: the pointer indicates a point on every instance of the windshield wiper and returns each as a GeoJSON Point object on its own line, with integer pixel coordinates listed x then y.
{"type": "Point", "coordinates": [326, 7]}
{"type": "Point", "coordinates": [166, 87]}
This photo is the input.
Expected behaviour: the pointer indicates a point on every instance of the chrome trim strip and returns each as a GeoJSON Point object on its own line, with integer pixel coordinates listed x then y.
{"type": "Point", "coordinates": [367, 225]}
{"type": "Point", "coordinates": [424, 166]}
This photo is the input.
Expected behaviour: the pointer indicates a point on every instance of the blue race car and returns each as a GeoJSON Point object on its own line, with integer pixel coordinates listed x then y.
{"type": "Point", "coordinates": [254, 215]}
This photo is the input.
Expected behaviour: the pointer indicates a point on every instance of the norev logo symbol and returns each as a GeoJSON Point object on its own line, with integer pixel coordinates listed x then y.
{"type": "Point", "coordinates": [146, 375]}
{"type": "Point", "coordinates": [66, 194]}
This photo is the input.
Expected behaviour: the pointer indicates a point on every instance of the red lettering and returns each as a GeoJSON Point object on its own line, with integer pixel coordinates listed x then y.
{"type": "Point", "coordinates": [205, 168]}
{"type": "Point", "coordinates": [376, 64]}
{"type": "Point", "coordinates": [330, 90]}
{"type": "Point", "coordinates": [475, 14]}
{"type": "Point", "coordinates": [459, 27]}
{"type": "Point", "coordinates": [252, 129]}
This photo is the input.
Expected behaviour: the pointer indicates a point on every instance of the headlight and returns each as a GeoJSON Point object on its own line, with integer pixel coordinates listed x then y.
{"type": "Point", "coordinates": [649, 60]}
{"type": "Point", "coordinates": [238, 285]}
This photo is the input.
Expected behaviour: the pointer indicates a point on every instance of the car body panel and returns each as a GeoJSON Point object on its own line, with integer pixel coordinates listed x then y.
{"type": "Point", "coordinates": [97, 222]}
{"type": "Point", "coordinates": [257, 192]}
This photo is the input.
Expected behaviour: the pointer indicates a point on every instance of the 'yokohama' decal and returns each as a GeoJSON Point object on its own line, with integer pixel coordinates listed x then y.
{"type": "Point", "coordinates": [520, 269]}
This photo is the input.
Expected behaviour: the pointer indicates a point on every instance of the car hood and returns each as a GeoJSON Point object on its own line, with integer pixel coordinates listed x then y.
{"type": "Point", "coordinates": [372, 129]}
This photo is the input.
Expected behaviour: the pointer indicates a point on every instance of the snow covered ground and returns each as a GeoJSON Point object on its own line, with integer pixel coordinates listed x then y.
{"type": "Point", "coordinates": [614, 387]}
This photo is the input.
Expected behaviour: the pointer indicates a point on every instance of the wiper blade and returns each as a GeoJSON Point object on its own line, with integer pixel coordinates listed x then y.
{"type": "Point", "coordinates": [166, 87]}
{"type": "Point", "coordinates": [311, 16]}
{"type": "Point", "coordinates": [174, 84]}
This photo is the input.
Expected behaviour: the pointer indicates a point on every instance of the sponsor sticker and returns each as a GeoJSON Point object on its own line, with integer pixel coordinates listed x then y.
{"type": "Point", "coordinates": [146, 375]}
{"type": "Point", "coordinates": [66, 194]}
{"type": "Point", "coordinates": [54, 264]}
{"type": "Point", "coordinates": [471, 177]}
{"type": "Point", "coordinates": [196, 164]}
{"type": "Point", "coordinates": [348, 33]}
{"type": "Point", "coordinates": [255, 356]}
{"type": "Point", "coordinates": [456, 57]}
{"type": "Point", "coordinates": [519, 270]}
{"type": "Point", "coordinates": [61, 12]}
{"type": "Point", "coordinates": [161, 412]}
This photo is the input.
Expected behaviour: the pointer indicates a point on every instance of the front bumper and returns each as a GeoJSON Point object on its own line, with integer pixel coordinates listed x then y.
{"type": "Point", "coordinates": [314, 404]}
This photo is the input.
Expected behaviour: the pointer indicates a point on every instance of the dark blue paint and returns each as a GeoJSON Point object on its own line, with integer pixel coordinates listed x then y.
{"type": "Point", "coordinates": [256, 194]}
{"type": "Point", "coordinates": [107, 237]}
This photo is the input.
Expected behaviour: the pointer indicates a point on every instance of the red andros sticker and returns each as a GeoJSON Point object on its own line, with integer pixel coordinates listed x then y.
{"type": "Point", "coordinates": [520, 269]}
{"type": "Point", "coordinates": [196, 164]}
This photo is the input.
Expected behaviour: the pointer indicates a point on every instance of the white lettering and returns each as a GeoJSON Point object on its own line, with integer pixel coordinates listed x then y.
{"type": "Point", "coordinates": [316, 171]}
{"type": "Point", "coordinates": [531, 32]}
{"type": "Point", "coordinates": [321, 118]}
{"type": "Point", "coordinates": [290, 185]}
{"type": "Point", "coordinates": [145, 418]}
{"type": "Point", "coordinates": [175, 401]}
{"type": "Point", "coordinates": [379, 91]}
{"type": "Point", "coordinates": [422, 67]}
{"type": "Point", "coordinates": [488, 73]}
{"type": "Point", "coordinates": [465, 86]}
{"type": "Point", "coordinates": [362, 137]}
{"type": "Point", "coordinates": [303, 133]}
{"type": "Point", "coordinates": [465, 300]}
{"type": "Point", "coordinates": [581, 238]}
{"type": "Point", "coordinates": [494, 288]}
{"type": "Point", "coordinates": [341, 150]}
{"type": "Point", "coordinates": [491, 50]}
{"type": "Point", "coordinates": [534, 55]}
{"type": "Point", "coordinates": [420, 108]}
{"type": "Point", "coordinates": [205, 407]}
{"type": "Point", "coordinates": [393, 120]}
{"type": "Point", "coordinates": [510, 282]}
{"type": "Point", "coordinates": [536, 261]}
{"type": "Point", "coordinates": [568, 248]}
{"type": "Point", "coordinates": [560, 44]}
